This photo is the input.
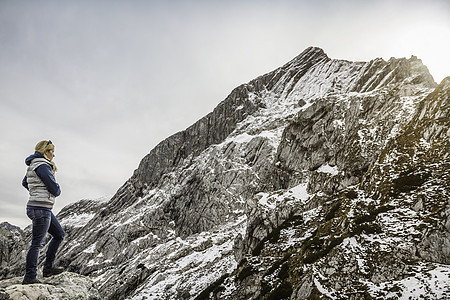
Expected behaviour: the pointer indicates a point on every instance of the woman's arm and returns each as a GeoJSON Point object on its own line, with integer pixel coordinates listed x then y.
{"type": "Point", "coordinates": [45, 173]}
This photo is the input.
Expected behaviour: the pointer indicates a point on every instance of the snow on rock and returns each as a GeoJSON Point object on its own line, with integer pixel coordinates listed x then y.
{"type": "Point", "coordinates": [184, 267]}
{"type": "Point", "coordinates": [328, 169]}
{"type": "Point", "coordinates": [430, 281]}
{"type": "Point", "coordinates": [79, 220]}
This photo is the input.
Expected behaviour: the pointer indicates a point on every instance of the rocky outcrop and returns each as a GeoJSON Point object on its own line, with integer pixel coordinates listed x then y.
{"type": "Point", "coordinates": [67, 286]}
{"type": "Point", "coordinates": [13, 242]}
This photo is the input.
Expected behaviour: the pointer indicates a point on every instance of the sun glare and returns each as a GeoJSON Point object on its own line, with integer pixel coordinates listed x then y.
{"type": "Point", "coordinates": [429, 42]}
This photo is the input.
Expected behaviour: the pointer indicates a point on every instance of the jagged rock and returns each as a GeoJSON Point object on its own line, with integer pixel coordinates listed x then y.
{"type": "Point", "coordinates": [66, 285]}
{"type": "Point", "coordinates": [10, 227]}
{"type": "Point", "coordinates": [13, 242]}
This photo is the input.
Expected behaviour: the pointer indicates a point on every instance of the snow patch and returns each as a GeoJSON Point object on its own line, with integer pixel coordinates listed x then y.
{"type": "Point", "coordinates": [271, 201]}
{"type": "Point", "coordinates": [339, 123]}
{"type": "Point", "coordinates": [300, 191]}
{"type": "Point", "coordinates": [329, 170]}
{"type": "Point", "coordinates": [431, 281]}
{"type": "Point", "coordinates": [90, 249]}
{"type": "Point", "coordinates": [77, 220]}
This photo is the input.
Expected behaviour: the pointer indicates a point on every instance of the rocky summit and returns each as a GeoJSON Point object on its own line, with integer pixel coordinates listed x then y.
{"type": "Point", "coordinates": [324, 179]}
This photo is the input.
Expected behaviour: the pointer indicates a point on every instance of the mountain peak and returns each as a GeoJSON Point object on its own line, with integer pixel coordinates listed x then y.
{"type": "Point", "coordinates": [309, 56]}
{"type": "Point", "coordinates": [313, 51]}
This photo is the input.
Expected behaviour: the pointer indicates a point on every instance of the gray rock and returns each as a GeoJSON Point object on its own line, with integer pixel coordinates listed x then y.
{"type": "Point", "coordinates": [63, 286]}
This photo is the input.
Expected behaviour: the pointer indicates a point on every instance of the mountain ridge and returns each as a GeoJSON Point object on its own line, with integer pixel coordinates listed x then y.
{"type": "Point", "coordinates": [254, 183]}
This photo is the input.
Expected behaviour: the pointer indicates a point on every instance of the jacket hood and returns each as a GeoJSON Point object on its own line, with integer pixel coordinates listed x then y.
{"type": "Point", "coordinates": [30, 158]}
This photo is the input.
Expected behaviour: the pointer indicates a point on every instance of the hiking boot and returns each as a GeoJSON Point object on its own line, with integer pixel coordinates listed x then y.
{"type": "Point", "coordinates": [30, 281]}
{"type": "Point", "coordinates": [50, 271]}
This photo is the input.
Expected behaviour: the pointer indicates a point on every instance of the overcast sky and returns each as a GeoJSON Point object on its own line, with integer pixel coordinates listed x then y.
{"type": "Point", "coordinates": [106, 81]}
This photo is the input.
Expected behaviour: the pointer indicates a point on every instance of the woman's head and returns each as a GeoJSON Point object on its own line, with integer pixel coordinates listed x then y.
{"type": "Point", "coordinates": [47, 149]}
{"type": "Point", "coordinates": [44, 146]}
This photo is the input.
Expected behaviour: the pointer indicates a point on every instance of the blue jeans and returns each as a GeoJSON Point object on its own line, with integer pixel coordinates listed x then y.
{"type": "Point", "coordinates": [43, 221]}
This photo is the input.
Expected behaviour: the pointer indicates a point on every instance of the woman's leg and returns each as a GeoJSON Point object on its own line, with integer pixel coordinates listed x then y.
{"type": "Point", "coordinates": [41, 222]}
{"type": "Point", "coordinates": [58, 234]}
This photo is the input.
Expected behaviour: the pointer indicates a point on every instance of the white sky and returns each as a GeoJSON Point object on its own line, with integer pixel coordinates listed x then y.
{"type": "Point", "coordinates": [106, 81]}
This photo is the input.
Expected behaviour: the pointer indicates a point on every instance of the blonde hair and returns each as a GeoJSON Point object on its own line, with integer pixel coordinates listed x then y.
{"type": "Point", "coordinates": [44, 146]}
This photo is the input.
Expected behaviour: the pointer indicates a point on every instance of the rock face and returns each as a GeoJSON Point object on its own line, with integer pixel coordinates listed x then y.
{"type": "Point", "coordinates": [13, 242]}
{"type": "Point", "coordinates": [324, 178]}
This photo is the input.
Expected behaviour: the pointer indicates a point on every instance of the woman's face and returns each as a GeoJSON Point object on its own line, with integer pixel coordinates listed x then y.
{"type": "Point", "coordinates": [49, 154]}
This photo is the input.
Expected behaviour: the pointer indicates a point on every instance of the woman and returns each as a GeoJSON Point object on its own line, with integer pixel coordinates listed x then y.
{"type": "Point", "coordinates": [41, 184]}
